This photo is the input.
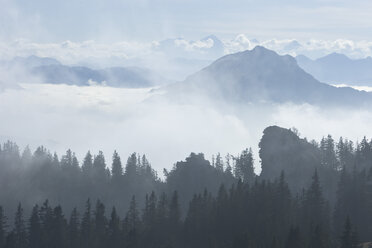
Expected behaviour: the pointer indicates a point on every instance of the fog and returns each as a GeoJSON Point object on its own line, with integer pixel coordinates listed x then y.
{"type": "Point", "coordinates": [129, 120]}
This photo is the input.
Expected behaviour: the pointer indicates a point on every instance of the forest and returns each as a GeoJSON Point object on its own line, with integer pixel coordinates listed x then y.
{"type": "Point", "coordinates": [309, 194]}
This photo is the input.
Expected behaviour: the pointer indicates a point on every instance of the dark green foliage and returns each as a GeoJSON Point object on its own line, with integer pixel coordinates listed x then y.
{"type": "Point", "coordinates": [116, 168]}
{"type": "Point", "coordinates": [2, 227]}
{"type": "Point", "coordinates": [263, 214]}
{"type": "Point", "coordinates": [244, 168]}
{"type": "Point", "coordinates": [100, 225]}
{"type": "Point", "coordinates": [219, 205]}
{"type": "Point", "coordinates": [86, 228]}
{"type": "Point", "coordinates": [348, 238]}
{"type": "Point", "coordinates": [20, 234]}
{"type": "Point", "coordinates": [73, 230]}
{"type": "Point", "coordinates": [35, 229]}
{"type": "Point", "coordinates": [59, 233]}
{"type": "Point", "coordinates": [114, 235]}
{"type": "Point", "coordinates": [294, 238]}
{"type": "Point", "coordinates": [194, 175]}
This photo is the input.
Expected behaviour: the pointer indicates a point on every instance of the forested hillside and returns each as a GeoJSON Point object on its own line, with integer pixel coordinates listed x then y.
{"type": "Point", "coordinates": [309, 194]}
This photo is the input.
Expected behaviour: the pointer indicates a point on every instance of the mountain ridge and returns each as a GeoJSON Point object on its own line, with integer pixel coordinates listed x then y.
{"type": "Point", "coordinates": [339, 69]}
{"type": "Point", "coordinates": [50, 70]}
{"type": "Point", "coordinates": [261, 75]}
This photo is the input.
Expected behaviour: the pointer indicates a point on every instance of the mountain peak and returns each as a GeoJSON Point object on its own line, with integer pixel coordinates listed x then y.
{"type": "Point", "coordinates": [262, 75]}
{"type": "Point", "coordinates": [334, 57]}
{"type": "Point", "coordinates": [257, 58]}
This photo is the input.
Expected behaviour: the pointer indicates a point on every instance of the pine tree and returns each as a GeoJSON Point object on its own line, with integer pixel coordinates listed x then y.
{"type": "Point", "coordinates": [348, 238]}
{"type": "Point", "coordinates": [294, 238]}
{"type": "Point", "coordinates": [228, 169]}
{"type": "Point", "coordinates": [345, 153]}
{"type": "Point", "coordinates": [219, 162]}
{"type": "Point", "coordinates": [73, 230]}
{"type": "Point", "coordinates": [314, 200]}
{"type": "Point", "coordinates": [100, 225]}
{"type": "Point", "coordinates": [2, 227]}
{"type": "Point", "coordinates": [35, 229]}
{"type": "Point", "coordinates": [26, 155]}
{"type": "Point", "coordinates": [131, 224]}
{"type": "Point", "coordinates": [20, 233]}
{"type": "Point", "coordinates": [344, 201]}
{"type": "Point", "coordinates": [132, 217]}
{"type": "Point", "coordinates": [46, 220]}
{"type": "Point", "coordinates": [244, 168]}
{"type": "Point", "coordinates": [327, 147]}
{"type": "Point", "coordinates": [87, 164]}
{"type": "Point", "coordinates": [315, 219]}
{"type": "Point", "coordinates": [114, 232]}
{"type": "Point", "coordinates": [75, 163]}
{"type": "Point", "coordinates": [317, 238]}
{"type": "Point", "coordinates": [174, 210]}
{"type": "Point", "coordinates": [86, 228]}
{"type": "Point", "coordinates": [117, 169]}
{"type": "Point", "coordinates": [59, 229]}
{"type": "Point", "coordinates": [10, 241]}
{"type": "Point", "coordinates": [131, 166]}
{"type": "Point", "coordinates": [55, 162]}
{"type": "Point", "coordinates": [162, 209]}
{"type": "Point", "coordinates": [66, 160]}
{"type": "Point", "coordinates": [99, 165]}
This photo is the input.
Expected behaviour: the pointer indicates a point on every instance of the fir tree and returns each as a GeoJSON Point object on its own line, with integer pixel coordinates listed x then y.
{"type": "Point", "coordinates": [2, 227]}
{"type": "Point", "coordinates": [114, 232]}
{"type": "Point", "coordinates": [348, 238]}
{"type": "Point", "coordinates": [86, 228]}
{"type": "Point", "coordinates": [117, 169]}
{"type": "Point", "coordinates": [20, 233]}
{"type": "Point", "coordinates": [35, 230]}
{"type": "Point", "coordinates": [73, 229]}
{"type": "Point", "coordinates": [100, 225]}
{"type": "Point", "coordinates": [294, 238]}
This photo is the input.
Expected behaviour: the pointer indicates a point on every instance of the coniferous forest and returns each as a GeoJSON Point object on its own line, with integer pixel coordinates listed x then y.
{"type": "Point", "coordinates": [309, 194]}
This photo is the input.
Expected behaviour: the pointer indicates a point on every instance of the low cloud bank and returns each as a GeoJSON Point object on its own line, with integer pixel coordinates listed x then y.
{"type": "Point", "coordinates": [104, 118]}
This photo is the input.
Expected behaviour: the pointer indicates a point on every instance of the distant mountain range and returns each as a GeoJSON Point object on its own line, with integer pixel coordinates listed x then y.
{"type": "Point", "coordinates": [261, 75]}
{"type": "Point", "coordinates": [253, 76]}
{"type": "Point", "coordinates": [338, 69]}
{"type": "Point", "coordinates": [49, 70]}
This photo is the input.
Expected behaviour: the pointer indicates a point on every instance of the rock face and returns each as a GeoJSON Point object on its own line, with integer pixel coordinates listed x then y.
{"type": "Point", "coordinates": [281, 150]}
{"type": "Point", "coordinates": [261, 75]}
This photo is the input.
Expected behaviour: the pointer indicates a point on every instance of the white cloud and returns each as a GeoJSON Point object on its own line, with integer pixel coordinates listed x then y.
{"type": "Point", "coordinates": [104, 118]}
{"type": "Point", "coordinates": [174, 58]}
{"type": "Point", "coordinates": [74, 52]}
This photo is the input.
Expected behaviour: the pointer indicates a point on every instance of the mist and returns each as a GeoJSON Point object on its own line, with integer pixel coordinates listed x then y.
{"type": "Point", "coordinates": [95, 118]}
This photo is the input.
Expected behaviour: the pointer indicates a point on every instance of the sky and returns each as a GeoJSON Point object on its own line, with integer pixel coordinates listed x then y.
{"type": "Point", "coordinates": [156, 34]}
{"type": "Point", "coordinates": [146, 20]}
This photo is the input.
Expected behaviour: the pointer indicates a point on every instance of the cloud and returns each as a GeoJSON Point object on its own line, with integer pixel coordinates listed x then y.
{"type": "Point", "coordinates": [74, 52]}
{"type": "Point", "coordinates": [103, 118]}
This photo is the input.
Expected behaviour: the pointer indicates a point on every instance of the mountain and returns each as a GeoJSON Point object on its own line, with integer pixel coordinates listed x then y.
{"type": "Point", "coordinates": [127, 77]}
{"type": "Point", "coordinates": [34, 61]}
{"type": "Point", "coordinates": [50, 70]}
{"type": "Point", "coordinates": [261, 75]}
{"type": "Point", "coordinates": [338, 68]}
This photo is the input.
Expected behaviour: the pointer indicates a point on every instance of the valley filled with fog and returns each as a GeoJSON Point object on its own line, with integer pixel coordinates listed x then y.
{"type": "Point", "coordinates": [169, 98]}
{"type": "Point", "coordinates": [129, 120]}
